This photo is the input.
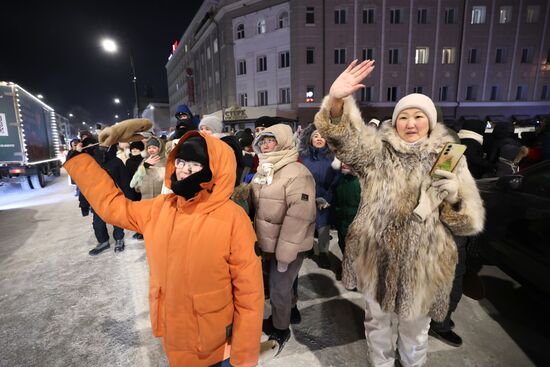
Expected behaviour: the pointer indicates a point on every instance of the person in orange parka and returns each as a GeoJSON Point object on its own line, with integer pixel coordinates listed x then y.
{"type": "Point", "coordinates": [205, 287]}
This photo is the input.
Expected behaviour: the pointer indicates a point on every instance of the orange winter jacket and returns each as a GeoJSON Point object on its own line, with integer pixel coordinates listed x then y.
{"type": "Point", "coordinates": [205, 285]}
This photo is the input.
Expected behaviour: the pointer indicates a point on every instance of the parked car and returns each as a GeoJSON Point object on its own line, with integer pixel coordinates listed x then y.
{"type": "Point", "coordinates": [517, 231]}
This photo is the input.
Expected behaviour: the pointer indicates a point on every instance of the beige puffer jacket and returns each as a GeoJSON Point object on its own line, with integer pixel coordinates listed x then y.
{"type": "Point", "coordinates": [285, 209]}
{"type": "Point", "coordinates": [150, 181]}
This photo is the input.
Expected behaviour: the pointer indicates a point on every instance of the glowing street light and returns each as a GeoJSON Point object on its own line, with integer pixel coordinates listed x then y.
{"type": "Point", "coordinates": [109, 45]}
{"type": "Point", "coordinates": [116, 116]}
{"type": "Point", "coordinates": [116, 100]}
{"type": "Point", "coordinates": [71, 115]}
{"type": "Point", "coordinates": [40, 96]}
{"type": "Point", "coordinates": [83, 123]}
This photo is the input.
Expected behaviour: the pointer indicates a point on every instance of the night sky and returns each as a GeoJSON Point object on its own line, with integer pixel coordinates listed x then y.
{"type": "Point", "coordinates": [52, 48]}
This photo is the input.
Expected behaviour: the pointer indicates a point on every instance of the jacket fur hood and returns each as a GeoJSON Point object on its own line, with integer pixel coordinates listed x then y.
{"type": "Point", "coordinates": [304, 142]}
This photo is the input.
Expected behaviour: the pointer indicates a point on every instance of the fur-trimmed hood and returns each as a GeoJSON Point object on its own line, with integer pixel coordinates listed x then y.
{"type": "Point", "coordinates": [305, 149]}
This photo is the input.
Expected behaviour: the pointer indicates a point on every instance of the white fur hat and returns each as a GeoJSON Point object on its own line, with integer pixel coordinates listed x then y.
{"type": "Point", "coordinates": [213, 123]}
{"type": "Point", "coordinates": [416, 100]}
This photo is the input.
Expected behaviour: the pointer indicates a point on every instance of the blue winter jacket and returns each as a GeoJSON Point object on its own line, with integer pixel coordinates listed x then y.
{"type": "Point", "coordinates": [318, 161]}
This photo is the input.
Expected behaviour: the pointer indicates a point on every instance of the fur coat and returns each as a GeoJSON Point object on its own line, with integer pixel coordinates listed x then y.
{"type": "Point", "coordinates": [407, 266]}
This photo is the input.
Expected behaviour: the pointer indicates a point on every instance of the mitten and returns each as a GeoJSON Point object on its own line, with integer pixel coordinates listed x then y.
{"type": "Point", "coordinates": [125, 131]}
{"type": "Point", "coordinates": [321, 203]}
{"type": "Point", "coordinates": [448, 183]}
{"type": "Point", "coordinates": [430, 198]}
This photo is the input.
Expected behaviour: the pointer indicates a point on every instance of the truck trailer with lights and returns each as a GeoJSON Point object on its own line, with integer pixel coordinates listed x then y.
{"type": "Point", "coordinates": [29, 139]}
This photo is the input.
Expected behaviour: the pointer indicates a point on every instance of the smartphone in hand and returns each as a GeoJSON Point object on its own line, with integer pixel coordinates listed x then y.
{"type": "Point", "coordinates": [448, 158]}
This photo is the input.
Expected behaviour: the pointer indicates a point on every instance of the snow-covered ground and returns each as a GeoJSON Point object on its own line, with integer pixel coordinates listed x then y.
{"type": "Point", "coordinates": [61, 307]}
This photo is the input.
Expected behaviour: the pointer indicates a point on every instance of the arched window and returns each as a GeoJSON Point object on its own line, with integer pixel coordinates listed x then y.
{"type": "Point", "coordinates": [283, 20]}
{"type": "Point", "coordinates": [240, 31]}
{"type": "Point", "coordinates": [261, 26]}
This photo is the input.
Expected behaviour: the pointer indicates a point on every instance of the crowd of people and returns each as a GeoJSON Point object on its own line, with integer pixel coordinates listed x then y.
{"type": "Point", "coordinates": [228, 219]}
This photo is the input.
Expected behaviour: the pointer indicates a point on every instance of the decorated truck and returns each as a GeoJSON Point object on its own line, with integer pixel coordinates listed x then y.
{"type": "Point", "coordinates": [29, 139]}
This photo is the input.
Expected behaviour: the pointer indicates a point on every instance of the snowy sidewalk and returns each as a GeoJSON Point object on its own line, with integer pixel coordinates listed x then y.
{"type": "Point", "coordinates": [62, 307]}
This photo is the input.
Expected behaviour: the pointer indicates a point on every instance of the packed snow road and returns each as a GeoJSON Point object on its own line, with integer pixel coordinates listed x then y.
{"type": "Point", "coordinates": [61, 307]}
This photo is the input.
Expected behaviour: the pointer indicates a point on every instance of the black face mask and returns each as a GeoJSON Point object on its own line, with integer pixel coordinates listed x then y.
{"type": "Point", "coordinates": [190, 186]}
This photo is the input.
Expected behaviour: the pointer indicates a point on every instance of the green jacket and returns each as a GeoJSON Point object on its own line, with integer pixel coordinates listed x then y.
{"type": "Point", "coordinates": [346, 203]}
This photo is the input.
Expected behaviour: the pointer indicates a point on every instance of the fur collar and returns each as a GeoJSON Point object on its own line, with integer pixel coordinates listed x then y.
{"type": "Point", "coordinates": [433, 143]}
{"type": "Point", "coordinates": [467, 134]}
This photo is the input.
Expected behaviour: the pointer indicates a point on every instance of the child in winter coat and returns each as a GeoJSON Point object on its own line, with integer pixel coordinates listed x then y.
{"type": "Point", "coordinates": [205, 285]}
{"type": "Point", "coordinates": [347, 196]}
{"type": "Point", "coordinates": [149, 177]}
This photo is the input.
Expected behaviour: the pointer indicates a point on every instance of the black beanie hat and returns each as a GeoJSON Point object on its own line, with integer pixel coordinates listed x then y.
{"type": "Point", "coordinates": [137, 145]}
{"type": "Point", "coordinates": [265, 121]}
{"type": "Point", "coordinates": [194, 149]}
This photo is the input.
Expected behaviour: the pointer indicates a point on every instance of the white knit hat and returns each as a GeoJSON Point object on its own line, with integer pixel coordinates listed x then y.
{"type": "Point", "coordinates": [213, 123]}
{"type": "Point", "coordinates": [416, 100]}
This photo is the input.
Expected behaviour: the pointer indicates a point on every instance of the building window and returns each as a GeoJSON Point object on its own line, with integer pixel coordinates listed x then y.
{"type": "Point", "coordinates": [243, 100]}
{"type": "Point", "coordinates": [418, 90]}
{"type": "Point", "coordinates": [284, 59]}
{"type": "Point", "coordinates": [505, 14]}
{"type": "Point", "coordinates": [262, 98]}
{"type": "Point", "coordinates": [532, 15]}
{"type": "Point", "coordinates": [471, 93]}
{"type": "Point", "coordinates": [310, 55]}
{"type": "Point", "coordinates": [209, 82]}
{"type": "Point", "coordinates": [240, 31]}
{"type": "Point", "coordinates": [450, 16]}
{"type": "Point", "coordinates": [368, 16]}
{"type": "Point", "coordinates": [366, 94]}
{"type": "Point", "coordinates": [261, 64]}
{"type": "Point", "coordinates": [526, 56]}
{"type": "Point", "coordinates": [392, 94]}
{"type": "Point", "coordinates": [544, 94]}
{"type": "Point", "coordinates": [310, 93]}
{"type": "Point", "coordinates": [340, 16]}
{"type": "Point", "coordinates": [310, 15]}
{"type": "Point", "coordinates": [208, 53]}
{"type": "Point", "coordinates": [443, 93]}
{"type": "Point", "coordinates": [494, 93]}
{"type": "Point", "coordinates": [395, 16]}
{"type": "Point", "coordinates": [284, 95]}
{"type": "Point", "coordinates": [422, 16]}
{"type": "Point", "coordinates": [422, 55]}
{"type": "Point", "coordinates": [500, 56]}
{"type": "Point", "coordinates": [215, 45]}
{"type": "Point", "coordinates": [394, 56]}
{"type": "Point", "coordinates": [339, 55]}
{"type": "Point", "coordinates": [241, 67]}
{"type": "Point", "coordinates": [448, 55]}
{"type": "Point", "coordinates": [520, 92]}
{"type": "Point", "coordinates": [478, 14]}
{"type": "Point", "coordinates": [283, 20]}
{"type": "Point", "coordinates": [217, 77]}
{"type": "Point", "coordinates": [368, 54]}
{"type": "Point", "coordinates": [473, 56]}
{"type": "Point", "coordinates": [260, 27]}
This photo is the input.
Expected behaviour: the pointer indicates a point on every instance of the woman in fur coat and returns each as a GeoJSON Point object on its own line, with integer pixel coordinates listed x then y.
{"type": "Point", "coordinates": [403, 262]}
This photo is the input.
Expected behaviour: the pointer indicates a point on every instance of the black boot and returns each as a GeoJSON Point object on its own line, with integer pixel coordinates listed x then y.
{"type": "Point", "coordinates": [281, 337]}
{"type": "Point", "coordinates": [119, 245]}
{"type": "Point", "coordinates": [137, 236]}
{"type": "Point", "coordinates": [295, 316]}
{"type": "Point", "coordinates": [267, 326]}
{"type": "Point", "coordinates": [324, 262]}
{"type": "Point", "coordinates": [99, 248]}
{"type": "Point", "coordinates": [448, 337]}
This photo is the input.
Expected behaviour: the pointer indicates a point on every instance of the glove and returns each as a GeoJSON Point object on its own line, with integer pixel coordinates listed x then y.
{"type": "Point", "coordinates": [125, 131]}
{"type": "Point", "coordinates": [321, 203]}
{"type": "Point", "coordinates": [429, 200]}
{"type": "Point", "coordinates": [448, 183]}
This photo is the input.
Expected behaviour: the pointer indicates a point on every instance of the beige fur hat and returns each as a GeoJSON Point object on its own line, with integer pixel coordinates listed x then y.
{"type": "Point", "coordinates": [416, 100]}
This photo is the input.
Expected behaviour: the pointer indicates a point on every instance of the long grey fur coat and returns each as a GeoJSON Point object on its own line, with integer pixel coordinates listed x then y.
{"type": "Point", "coordinates": [408, 266]}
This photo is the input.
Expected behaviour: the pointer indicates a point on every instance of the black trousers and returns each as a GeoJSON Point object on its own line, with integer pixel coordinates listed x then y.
{"type": "Point", "coordinates": [100, 230]}
{"type": "Point", "coordinates": [456, 291]}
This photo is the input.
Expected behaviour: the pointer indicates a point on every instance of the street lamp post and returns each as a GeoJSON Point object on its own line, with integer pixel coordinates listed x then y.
{"type": "Point", "coordinates": [110, 46]}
